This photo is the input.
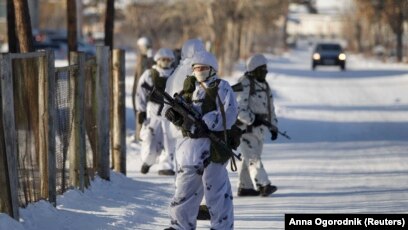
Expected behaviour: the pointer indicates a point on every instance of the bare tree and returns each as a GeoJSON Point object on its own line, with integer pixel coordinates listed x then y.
{"type": "Point", "coordinates": [142, 20]}
{"type": "Point", "coordinates": [394, 15]}
{"type": "Point", "coordinates": [235, 25]}
{"type": "Point", "coordinates": [109, 23]}
{"type": "Point", "coordinates": [382, 17]}
{"type": "Point", "coordinates": [53, 14]}
{"type": "Point", "coordinates": [23, 26]}
{"type": "Point", "coordinates": [11, 28]}
{"type": "Point", "coordinates": [72, 26]}
{"type": "Point", "coordinates": [234, 28]}
{"type": "Point", "coordinates": [361, 38]}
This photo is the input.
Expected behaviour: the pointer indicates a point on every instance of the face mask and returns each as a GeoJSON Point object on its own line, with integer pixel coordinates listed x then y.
{"type": "Point", "coordinates": [261, 76]}
{"type": "Point", "coordinates": [202, 75]}
{"type": "Point", "coordinates": [164, 64]}
{"type": "Point", "coordinates": [260, 73]}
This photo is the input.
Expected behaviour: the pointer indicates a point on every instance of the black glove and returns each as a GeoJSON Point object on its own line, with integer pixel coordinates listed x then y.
{"type": "Point", "coordinates": [141, 117]}
{"type": "Point", "coordinates": [174, 117]}
{"type": "Point", "coordinates": [274, 135]}
{"type": "Point", "coordinates": [258, 120]}
{"type": "Point", "coordinates": [187, 124]}
{"type": "Point", "coordinates": [189, 84]}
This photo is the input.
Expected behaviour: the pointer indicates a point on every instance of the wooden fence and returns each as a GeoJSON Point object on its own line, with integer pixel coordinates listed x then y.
{"type": "Point", "coordinates": [43, 107]}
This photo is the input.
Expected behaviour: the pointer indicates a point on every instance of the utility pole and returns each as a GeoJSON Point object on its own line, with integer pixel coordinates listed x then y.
{"type": "Point", "coordinates": [34, 9]}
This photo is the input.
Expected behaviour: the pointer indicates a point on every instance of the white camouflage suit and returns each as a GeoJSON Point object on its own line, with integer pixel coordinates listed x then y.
{"type": "Point", "coordinates": [175, 81]}
{"type": "Point", "coordinates": [252, 173]}
{"type": "Point", "coordinates": [195, 177]}
{"type": "Point", "coordinates": [155, 142]}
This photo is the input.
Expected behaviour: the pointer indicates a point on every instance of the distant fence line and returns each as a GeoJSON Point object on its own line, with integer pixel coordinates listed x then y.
{"type": "Point", "coordinates": [57, 124]}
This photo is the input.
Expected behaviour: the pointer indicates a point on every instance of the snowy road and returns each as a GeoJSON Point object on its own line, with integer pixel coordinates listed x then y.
{"type": "Point", "coordinates": [349, 149]}
{"type": "Point", "coordinates": [348, 154]}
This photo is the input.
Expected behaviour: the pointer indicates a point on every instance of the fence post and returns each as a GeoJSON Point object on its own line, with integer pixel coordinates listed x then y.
{"type": "Point", "coordinates": [77, 149]}
{"type": "Point", "coordinates": [10, 142]}
{"type": "Point", "coordinates": [119, 110]}
{"type": "Point", "coordinates": [102, 94]}
{"type": "Point", "coordinates": [46, 109]}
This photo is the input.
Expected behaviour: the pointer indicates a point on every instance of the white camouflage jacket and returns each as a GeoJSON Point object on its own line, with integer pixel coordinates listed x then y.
{"type": "Point", "coordinates": [191, 151]}
{"type": "Point", "coordinates": [255, 102]}
{"type": "Point", "coordinates": [142, 101]}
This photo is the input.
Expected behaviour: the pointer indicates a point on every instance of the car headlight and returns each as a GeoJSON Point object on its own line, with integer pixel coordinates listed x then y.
{"type": "Point", "coordinates": [316, 56]}
{"type": "Point", "coordinates": [342, 57]}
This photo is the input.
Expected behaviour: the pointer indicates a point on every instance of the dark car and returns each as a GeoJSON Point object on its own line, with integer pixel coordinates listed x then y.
{"type": "Point", "coordinates": [329, 54]}
{"type": "Point", "coordinates": [57, 40]}
{"type": "Point", "coordinates": [60, 52]}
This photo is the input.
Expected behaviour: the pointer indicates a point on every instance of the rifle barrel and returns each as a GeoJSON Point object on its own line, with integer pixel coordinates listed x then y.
{"type": "Point", "coordinates": [274, 128]}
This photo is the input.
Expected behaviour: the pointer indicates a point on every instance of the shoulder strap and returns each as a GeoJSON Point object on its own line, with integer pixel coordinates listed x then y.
{"type": "Point", "coordinates": [233, 164]}
{"type": "Point", "coordinates": [252, 90]}
{"type": "Point", "coordinates": [268, 95]}
{"type": "Point", "coordinates": [224, 121]}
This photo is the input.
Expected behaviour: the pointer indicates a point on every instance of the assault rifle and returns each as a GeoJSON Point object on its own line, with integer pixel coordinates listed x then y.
{"type": "Point", "coordinates": [181, 106]}
{"type": "Point", "coordinates": [273, 128]}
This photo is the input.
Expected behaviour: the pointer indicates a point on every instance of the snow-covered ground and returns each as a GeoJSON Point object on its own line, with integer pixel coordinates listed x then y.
{"type": "Point", "coordinates": [348, 154]}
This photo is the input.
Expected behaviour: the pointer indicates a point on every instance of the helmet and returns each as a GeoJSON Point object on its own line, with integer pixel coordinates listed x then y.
{"type": "Point", "coordinates": [255, 61]}
{"type": "Point", "coordinates": [190, 47]}
{"type": "Point", "coordinates": [164, 53]}
{"type": "Point", "coordinates": [205, 58]}
{"type": "Point", "coordinates": [144, 42]}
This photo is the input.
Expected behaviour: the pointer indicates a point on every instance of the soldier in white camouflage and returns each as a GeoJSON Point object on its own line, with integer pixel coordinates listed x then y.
{"type": "Point", "coordinates": [183, 70]}
{"type": "Point", "coordinates": [144, 61]}
{"type": "Point", "coordinates": [155, 143]}
{"type": "Point", "coordinates": [199, 173]}
{"type": "Point", "coordinates": [255, 102]}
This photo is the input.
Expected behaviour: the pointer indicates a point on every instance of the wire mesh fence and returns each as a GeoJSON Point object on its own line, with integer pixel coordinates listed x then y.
{"type": "Point", "coordinates": [90, 119]}
{"type": "Point", "coordinates": [63, 124]}
{"type": "Point", "coordinates": [64, 120]}
{"type": "Point", "coordinates": [54, 127]}
{"type": "Point", "coordinates": [25, 78]}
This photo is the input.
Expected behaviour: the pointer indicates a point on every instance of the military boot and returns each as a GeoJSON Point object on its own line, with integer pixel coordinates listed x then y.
{"type": "Point", "coordinates": [166, 172]}
{"type": "Point", "coordinates": [145, 168]}
{"type": "Point", "coordinates": [203, 213]}
{"type": "Point", "coordinates": [267, 189]}
{"type": "Point", "coordinates": [247, 192]}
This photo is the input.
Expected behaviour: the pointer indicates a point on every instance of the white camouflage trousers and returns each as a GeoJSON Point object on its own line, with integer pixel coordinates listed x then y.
{"type": "Point", "coordinates": [192, 182]}
{"type": "Point", "coordinates": [156, 144]}
{"type": "Point", "coordinates": [252, 173]}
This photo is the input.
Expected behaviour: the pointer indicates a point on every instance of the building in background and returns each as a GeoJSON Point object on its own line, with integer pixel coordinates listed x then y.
{"type": "Point", "coordinates": [324, 24]}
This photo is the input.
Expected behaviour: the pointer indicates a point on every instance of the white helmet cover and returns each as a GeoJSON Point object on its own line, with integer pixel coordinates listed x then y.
{"type": "Point", "coordinates": [144, 42]}
{"type": "Point", "coordinates": [190, 47]}
{"type": "Point", "coordinates": [255, 61]}
{"type": "Point", "coordinates": [164, 53]}
{"type": "Point", "coordinates": [205, 58]}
